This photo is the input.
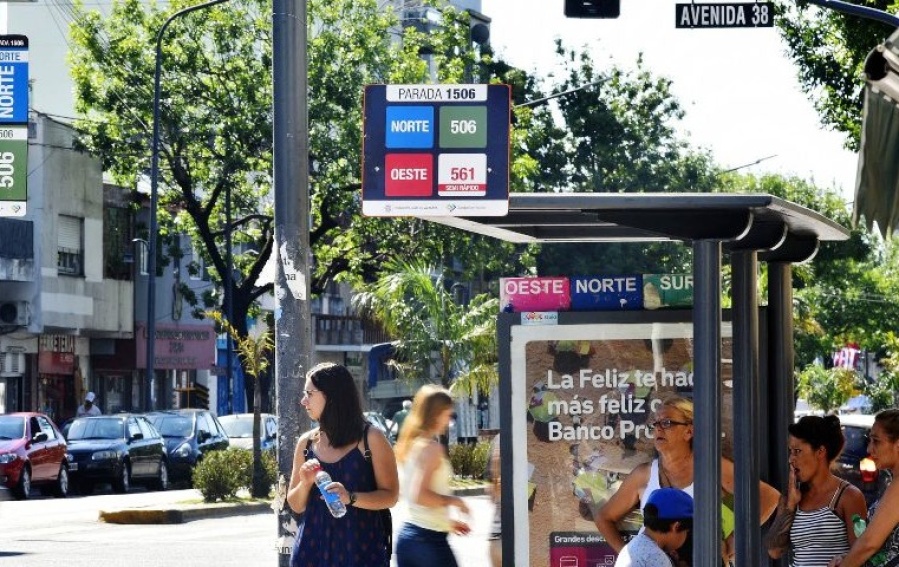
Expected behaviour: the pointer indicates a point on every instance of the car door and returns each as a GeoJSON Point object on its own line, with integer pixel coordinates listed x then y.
{"type": "Point", "coordinates": [55, 446]}
{"type": "Point", "coordinates": [154, 444]}
{"type": "Point", "coordinates": [137, 448]}
{"type": "Point", "coordinates": [38, 451]}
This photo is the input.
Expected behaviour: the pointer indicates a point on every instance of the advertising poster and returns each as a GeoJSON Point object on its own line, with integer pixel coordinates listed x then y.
{"type": "Point", "coordinates": [583, 396]}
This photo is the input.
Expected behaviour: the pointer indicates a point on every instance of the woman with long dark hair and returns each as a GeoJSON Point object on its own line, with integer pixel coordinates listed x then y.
{"type": "Point", "coordinates": [814, 521]}
{"type": "Point", "coordinates": [363, 470]}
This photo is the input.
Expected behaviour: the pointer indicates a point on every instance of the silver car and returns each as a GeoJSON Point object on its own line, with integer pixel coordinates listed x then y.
{"type": "Point", "coordinates": [239, 428]}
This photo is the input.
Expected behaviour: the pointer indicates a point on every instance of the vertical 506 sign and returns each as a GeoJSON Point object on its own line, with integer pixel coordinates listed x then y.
{"type": "Point", "coordinates": [13, 170]}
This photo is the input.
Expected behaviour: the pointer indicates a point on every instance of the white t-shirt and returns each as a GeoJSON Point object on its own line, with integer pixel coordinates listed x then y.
{"type": "Point", "coordinates": [642, 551]}
{"type": "Point", "coordinates": [88, 413]}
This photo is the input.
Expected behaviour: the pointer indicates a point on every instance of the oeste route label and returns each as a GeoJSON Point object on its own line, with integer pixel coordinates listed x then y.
{"type": "Point", "coordinates": [436, 150]}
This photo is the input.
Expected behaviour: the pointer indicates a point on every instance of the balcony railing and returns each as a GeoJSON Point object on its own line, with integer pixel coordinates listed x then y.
{"type": "Point", "coordinates": [346, 330]}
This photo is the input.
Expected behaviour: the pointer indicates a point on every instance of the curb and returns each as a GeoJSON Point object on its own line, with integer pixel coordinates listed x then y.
{"type": "Point", "coordinates": [472, 491]}
{"type": "Point", "coordinates": [181, 514]}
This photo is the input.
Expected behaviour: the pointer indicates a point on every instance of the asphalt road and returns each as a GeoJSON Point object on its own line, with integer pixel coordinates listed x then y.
{"type": "Point", "coordinates": [52, 532]}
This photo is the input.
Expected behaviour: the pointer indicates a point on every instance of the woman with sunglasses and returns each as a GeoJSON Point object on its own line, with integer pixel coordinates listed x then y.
{"type": "Point", "coordinates": [814, 521]}
{"type": "Point", "coordinates": [878, 545]}
{"type": "Point", "coordinates": [673, 440]}
{"type": "Point", "coordinates": [363, 470]}
{"type": "Point", "coordinates": [422, 541]}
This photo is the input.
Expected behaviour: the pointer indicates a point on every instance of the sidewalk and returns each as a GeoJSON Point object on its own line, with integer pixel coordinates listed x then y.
{"type": "Point", "coordinates": [472, 549]}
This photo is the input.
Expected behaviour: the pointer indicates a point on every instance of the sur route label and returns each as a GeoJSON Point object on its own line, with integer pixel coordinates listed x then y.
{"type": "Point", "coordinates": [723, 15]}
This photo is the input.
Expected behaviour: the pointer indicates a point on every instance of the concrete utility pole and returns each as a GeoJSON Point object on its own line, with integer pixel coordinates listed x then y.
{"type": "Point", "coordinates": [293, 329]}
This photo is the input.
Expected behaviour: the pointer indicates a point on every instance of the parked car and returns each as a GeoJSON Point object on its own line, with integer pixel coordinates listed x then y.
{"type": "Point", "coordinates": [853, 464]}
{"type": "Point", "coordinates": [119, 449]}
{"type": "Point", "coordinates": [382, 423]}
{"type": "Point", "coordinates": [32, 453]}
{"type": "Point", "coordinates": [239, 428]}
{"type": "Point", "coordinates": [189, 435]}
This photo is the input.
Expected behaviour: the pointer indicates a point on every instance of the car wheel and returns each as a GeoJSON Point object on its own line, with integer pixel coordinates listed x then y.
{"type": "Point", "coordinates": [162, 481]}
{"type": "Point", "coordinates": [123, 482]}
{"type": "Point", "coordinates": [22, 491]}
{"type": "Point", "coordinates": [61, 488]}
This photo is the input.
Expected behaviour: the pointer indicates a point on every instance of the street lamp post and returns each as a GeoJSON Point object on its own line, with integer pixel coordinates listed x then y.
{"type": "Point", "coordinates": [154, 201]}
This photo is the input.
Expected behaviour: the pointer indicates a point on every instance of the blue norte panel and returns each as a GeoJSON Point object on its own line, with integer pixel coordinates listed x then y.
{"type": "Point", "coordinates": [13, 79]}
{"type": "Point", "coordinates": [607, 293]}
{"type": "Point", "coordinates": [409, 127]}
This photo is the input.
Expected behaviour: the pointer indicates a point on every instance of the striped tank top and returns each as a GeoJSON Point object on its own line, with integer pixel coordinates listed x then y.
{"type": "Point", "coordinates": [817, 536]}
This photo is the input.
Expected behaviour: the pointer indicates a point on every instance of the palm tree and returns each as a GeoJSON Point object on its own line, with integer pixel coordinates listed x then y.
{"type": "Point", "coordinates": [440, 340]}
{"type": "Point", "coordinates": [253, 350]}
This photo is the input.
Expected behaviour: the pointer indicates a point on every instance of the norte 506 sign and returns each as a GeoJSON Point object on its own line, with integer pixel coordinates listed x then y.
{"type": "Point", "coordinates": [713, 15]}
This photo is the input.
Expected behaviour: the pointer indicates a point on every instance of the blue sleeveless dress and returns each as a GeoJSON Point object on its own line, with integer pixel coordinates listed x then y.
{"type": "Point", "coordinates": [356, 540]}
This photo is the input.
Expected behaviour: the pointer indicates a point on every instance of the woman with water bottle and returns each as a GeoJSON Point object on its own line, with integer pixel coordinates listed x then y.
{"type": "Point", "coordinates": [814, 521]}
{"type": "Point", "coordinates": [422, 541]}
{"type": "Point", "coordinates": [344, 520]}
{"type": "Point", "coordinates": [878, 544]}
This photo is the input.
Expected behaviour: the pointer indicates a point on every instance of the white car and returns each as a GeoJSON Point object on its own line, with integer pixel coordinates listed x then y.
{"type": "Point", "coordinates": [239, 428]}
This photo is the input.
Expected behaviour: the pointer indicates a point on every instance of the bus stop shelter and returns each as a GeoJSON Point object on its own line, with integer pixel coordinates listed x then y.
{"type": "Point", "coordinates": [752, 228]}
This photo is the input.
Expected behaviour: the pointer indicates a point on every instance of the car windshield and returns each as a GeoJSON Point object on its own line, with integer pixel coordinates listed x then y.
{"type": "Point", "coordinates": [97, 428]}
{"type": "Point", "coordinates": [12, 427]}
{"type": "Point", "coordinates": [238, 427]}
{"type": "Point", "coordinates": [172, 425]}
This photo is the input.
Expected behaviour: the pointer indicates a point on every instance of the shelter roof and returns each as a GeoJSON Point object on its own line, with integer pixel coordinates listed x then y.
{"type": "Point", "coordinates": [780, 230]}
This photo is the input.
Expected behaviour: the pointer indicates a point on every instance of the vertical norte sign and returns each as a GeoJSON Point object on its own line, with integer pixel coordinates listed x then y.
{"type": "Point", "coordinates": [13, 125]}
{"type": "Point", "coordinates": [13, 79]}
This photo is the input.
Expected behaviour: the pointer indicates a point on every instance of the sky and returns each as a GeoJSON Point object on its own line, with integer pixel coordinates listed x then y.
{"type": "Point", "coordinates": [738, 87]}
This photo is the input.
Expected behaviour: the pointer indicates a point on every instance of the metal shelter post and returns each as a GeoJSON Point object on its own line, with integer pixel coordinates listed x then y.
{"type": "Point", "coordinates": [781, 400]}
{"type": "Point", "coordinates": [707, 400]}
{"type": "Point", "coordinates": [746, 404]}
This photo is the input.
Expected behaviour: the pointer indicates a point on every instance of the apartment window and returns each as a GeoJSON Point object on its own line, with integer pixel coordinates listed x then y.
{"type": "Point", "coordinates": [198, 270]}
{"type": "Point", "coordinates": [70, 246]}
{"type": "Point", "coordinates": [117, 245]}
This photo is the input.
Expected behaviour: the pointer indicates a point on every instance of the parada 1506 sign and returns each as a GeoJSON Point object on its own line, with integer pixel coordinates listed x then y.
{"type": "Point", "coordinates": [436, 150]}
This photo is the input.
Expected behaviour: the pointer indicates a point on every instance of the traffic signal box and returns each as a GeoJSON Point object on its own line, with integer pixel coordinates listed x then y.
{"type": "Point", "coordinates": [592, 8]}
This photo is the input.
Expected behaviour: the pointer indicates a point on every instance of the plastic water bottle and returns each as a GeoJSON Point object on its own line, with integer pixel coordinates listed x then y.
{"type": "Point", "coordinates": [858, 525]}
{"type": "Point", "coordinates": [332, 499]}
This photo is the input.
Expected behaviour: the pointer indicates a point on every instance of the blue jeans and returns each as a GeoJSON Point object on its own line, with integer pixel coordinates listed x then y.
{"type": "Point", "coordinates": [418, 547]}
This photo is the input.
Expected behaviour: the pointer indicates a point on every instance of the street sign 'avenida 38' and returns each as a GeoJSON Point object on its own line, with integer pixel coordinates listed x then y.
{"type": "Point", "coordinates": [713, 15]}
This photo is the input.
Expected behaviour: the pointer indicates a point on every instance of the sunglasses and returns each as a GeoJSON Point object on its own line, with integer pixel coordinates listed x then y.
{"type": "Point", "coordinates": [665, 424]}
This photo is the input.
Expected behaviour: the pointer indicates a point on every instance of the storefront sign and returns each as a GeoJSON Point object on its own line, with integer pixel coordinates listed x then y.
{"type": "Point", "coordinates": [182, 347]}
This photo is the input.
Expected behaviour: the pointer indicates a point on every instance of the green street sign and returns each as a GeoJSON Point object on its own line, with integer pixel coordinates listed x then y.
{"type": "Point", "coordinates": [13, 170]}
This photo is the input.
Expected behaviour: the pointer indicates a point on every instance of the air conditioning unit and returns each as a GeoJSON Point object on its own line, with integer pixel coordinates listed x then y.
{"type": "Point", "coordinates": [14, 313]}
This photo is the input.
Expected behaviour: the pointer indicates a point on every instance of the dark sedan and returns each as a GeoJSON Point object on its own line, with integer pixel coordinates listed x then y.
{"type": "Point", "coordinates": [189, 435]}
{"type": "Point", "coordinates": [32, 452]}
{"type": "Point", "coordinates": [118, 449]}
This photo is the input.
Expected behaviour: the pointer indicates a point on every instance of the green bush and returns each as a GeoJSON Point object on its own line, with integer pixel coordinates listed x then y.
{"type": "Point", "coordinates": [220, 474]}
{"type": "Point", "coordinates": [470, 459]}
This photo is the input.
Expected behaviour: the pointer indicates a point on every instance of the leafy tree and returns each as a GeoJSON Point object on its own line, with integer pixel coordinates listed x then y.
{"type": "Point", "coordinates": [216, 124]}
{"type": "Point", "coordinates": [827, 389]}
{"type": "Point", "coordinates": [254, 352]}
{"type": "Point", "coordinates": [829, 49]}
{"type": "Point", "coordinates": [884, 389]}
{"type": "Point", "coordinates": [453, 343]}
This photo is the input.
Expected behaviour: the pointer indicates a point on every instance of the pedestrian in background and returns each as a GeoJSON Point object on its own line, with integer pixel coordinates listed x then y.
{"type": "Point", "coordinates": [879, 543]}
{"type": "Point", "coordinates": [667, 521]}
{"type": "Point", "coordinates": [400, 416]}
{"type": "Point", "coordinates": [814, 521]}
{"type": "Point", "coordinates": [363, 470]}
{"type": "Point", "coordinates": [88, 408]}
{"type": "Point", "coordinates": [422, 541]}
